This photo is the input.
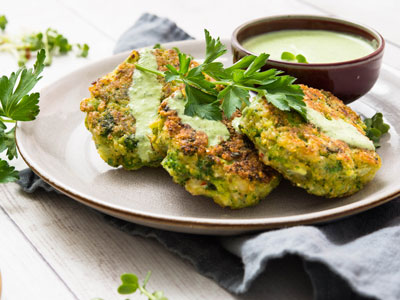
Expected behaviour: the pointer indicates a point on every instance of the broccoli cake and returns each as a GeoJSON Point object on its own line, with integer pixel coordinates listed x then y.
{"type": "Point", "coordinates": [328, 155]}
{"type": "Point", "coordinates": [123, 104]}
{"type": "Point", "coordinates": [210, 157]}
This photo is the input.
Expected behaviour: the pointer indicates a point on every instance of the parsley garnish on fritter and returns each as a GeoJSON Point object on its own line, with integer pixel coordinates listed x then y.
{"type": "Point", "coordinates": [231, 87]}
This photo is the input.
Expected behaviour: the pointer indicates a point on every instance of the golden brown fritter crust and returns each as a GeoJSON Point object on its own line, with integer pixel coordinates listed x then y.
{"type": "Point", "coordinates": [109, 117]}
{"type": "Point", "coordinates": [237, 155]}
{"type": "Point", "coordinates": [305, 155]}
{"type": "Point", "coordinates": [229, 172]}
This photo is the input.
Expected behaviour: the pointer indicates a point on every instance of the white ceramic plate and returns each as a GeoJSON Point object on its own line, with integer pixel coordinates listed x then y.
{"type": "Point", "coordinates": [58, 147]}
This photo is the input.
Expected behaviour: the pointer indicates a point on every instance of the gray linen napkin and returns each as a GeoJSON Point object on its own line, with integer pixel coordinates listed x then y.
{"type": "Point", "coordinates": [353, 258]}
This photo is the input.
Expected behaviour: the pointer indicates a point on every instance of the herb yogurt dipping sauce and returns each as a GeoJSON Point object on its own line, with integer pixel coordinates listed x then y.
{"type": "Point", "coordinates": [145, 96]}
{"type": "Point", "coordinates": [318, 46]}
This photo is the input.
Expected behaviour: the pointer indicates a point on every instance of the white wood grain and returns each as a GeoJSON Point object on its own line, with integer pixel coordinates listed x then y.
{"type": "Point", "coordinates": [28, 16]}
{"type": "Point", "coordinates": [381, 15]}
{"type": "Point", "coordinates": [25, 274]}
{"type": "Point", "coordinates": [90, 255]}
{"type": "Point", "coordinates": [219, 17]}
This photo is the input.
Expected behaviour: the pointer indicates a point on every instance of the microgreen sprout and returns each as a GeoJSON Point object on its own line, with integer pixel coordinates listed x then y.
{"type": "Point", "coordinates": [376, 128]}
{"type": "Point", "coordinates": [29, 44]}
{"type": "Point", "coordinates": [130, 284]}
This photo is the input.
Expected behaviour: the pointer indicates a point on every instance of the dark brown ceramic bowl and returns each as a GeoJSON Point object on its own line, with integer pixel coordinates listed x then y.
{"type": "Point", "coordinates": [348, 80]}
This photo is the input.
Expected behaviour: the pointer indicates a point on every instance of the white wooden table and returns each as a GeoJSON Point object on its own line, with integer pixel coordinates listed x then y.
{"type": "Point", "coordinates": [52, 247]}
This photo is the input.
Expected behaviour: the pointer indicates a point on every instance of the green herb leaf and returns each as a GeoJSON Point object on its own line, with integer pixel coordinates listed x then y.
{"type": "Point", "coordinates": [243, 63]}
{"type": "Point", "coordinates": [376, 128]}
{"type": "Point", "coordinates": [201, 104]}
{"type": "Point", "coordinates": [234, 98]}
{"type": "Point", "coordinates": [285, 95]}
{"type": "Point", "coordinates": [301, 59]}
{"type": "Point", "coordinates": [184, 63]}
{"type": "Point", "coordinates": [196, 79]}
{"type": "Point", "coordinates": [256, 65]}
{"type": "Point", "coordinates": [83, 50]}
{"type": "Point", "coordinates": [214, 48]}
{"type": "Point", "coordinates": [7, 141]}
{"type": "Point", "coordinates": [215, 70]}
{"type": "Point", "coordinates": [157, 46]}
{"type": "Point", "coordinates": [291, 57]}
{"type": "Point", "coordinates": [130, 284]}
{"type": "Point", "coordinates": [3, 22]}
{"type": "Point", "coordinates": [16, 104]}
{"type": "Point", "coordinates": [7, 172]}
{"type": "Point", "coordinates": [288, 56]}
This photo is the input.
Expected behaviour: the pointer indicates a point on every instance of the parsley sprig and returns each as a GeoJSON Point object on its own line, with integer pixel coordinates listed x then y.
{"type": "Point", "coordinates": [230, 88]}
{"type": "Point", "coordinates": [376, 128]}
{"type": "Point", "coordinates": [17, 105]}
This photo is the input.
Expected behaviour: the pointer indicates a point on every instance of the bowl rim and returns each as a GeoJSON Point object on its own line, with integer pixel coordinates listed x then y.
{"type": "Point", "coordinates": [378, 51]}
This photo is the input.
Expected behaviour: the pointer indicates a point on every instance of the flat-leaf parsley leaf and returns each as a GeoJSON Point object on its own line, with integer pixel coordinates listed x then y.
{"type": "Point", "coordinates": [17, 105]}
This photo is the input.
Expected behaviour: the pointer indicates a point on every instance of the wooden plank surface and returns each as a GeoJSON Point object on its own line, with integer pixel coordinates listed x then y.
{"type": "Point", "coordinates": [52, 247]}
{"type": "Point", "coordinates": [20, 265]}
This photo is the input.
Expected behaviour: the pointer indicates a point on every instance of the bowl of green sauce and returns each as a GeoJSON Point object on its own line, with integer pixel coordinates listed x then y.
{"type": "Point", "coordinates": [331, 54]}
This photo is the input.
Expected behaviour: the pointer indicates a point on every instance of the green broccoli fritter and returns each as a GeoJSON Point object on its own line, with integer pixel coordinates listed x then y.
{"type": "Point", "coordinates": [109, 113]}
{"type": "Point", "coordinates": [229, 172]}
{"type": "Point", "coordinates": [304, 154]}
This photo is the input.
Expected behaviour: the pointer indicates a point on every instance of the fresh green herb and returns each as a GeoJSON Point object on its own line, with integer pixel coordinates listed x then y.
{"type": "Point", "coordinates": [376, 128]}
{"type": "Point", "coordinates": [51, 40]}
{"type": "Point", "coordinates": [176, 49]}
{"type": "Point", "coordinates": [17, 105]}
{"type": "Point", "coordinates": [3, 22]}
{"type": "Point", "coordinates": [157, 46]}
{"type": "Point", "coordinates": [130, 284]}
{"type": "Point", "coordinates": [291, 57]}
{"type": "Point", "coordinates": [288, 56]}
{"type": "Point", "coordinates": [301, 59]}
{"type": "Point", "coordinates": [231, 87]}
{"type": "Point", "coordinates": [83, 50]}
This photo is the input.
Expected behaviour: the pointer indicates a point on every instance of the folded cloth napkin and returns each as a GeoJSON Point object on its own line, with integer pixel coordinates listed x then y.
{"type": "Point", "coordinates": [353, 258]}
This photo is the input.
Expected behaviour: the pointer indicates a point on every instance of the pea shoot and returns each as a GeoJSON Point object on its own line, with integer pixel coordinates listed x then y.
{"type": "Point", "coordinates": [130, 284]}
{"type": "Point", "coordinates": [376, 128]}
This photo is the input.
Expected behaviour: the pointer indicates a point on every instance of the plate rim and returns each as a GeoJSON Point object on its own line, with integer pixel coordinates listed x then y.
{"type": "Point", "coordinates": [202, 224]}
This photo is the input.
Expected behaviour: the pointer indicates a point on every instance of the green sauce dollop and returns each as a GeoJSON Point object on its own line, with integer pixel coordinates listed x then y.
{"type": "Point", "coordinates": [145, 96]}
{"type": "Point", "coordinates": [216, 131]}
{"type": "Point", "coordinates": [339, 130]}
